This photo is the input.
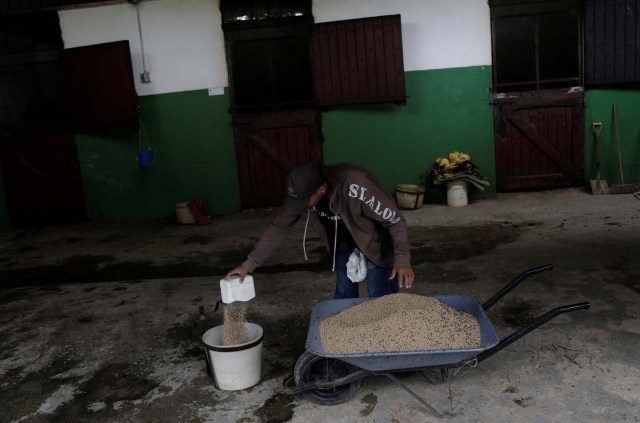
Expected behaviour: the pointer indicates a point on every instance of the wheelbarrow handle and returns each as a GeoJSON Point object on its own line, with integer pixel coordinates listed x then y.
{"type": "Point", "coordinates": [532, 326]}
{"type": "Point", "coordinates": [515, 282]}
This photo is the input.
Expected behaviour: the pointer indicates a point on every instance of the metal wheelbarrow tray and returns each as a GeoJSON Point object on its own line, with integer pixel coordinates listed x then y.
{"type": "Point", "coordinates": [379, 361]}
{"type": "Point", "coordinates": [333, 378]}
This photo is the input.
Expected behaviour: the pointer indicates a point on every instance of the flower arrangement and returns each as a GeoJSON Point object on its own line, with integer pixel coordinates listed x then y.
{"type": "Point", "coordinates": [457, 166]}
{"type": "Point", "coordinates": [454, 159]}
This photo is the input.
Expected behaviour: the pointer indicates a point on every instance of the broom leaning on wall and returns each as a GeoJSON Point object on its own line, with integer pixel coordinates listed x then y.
{"type": "Point", "coordinates": [622, 188]}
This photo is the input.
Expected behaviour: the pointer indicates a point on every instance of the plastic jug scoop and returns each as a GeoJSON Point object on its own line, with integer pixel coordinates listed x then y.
{"type": "Point", "coordinates": [232, 290]}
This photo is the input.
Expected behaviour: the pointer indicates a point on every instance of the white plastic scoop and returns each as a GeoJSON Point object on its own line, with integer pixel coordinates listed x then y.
{"type": "Point", "coordinates": [232, 290]}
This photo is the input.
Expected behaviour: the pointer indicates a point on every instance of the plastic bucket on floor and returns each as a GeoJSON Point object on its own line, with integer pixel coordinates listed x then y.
{"type": "Point", "coordinates": [183, 214]}
{"type": "Point", "coordinates": [409, 196]}
{"type": "Point", "coordinates": [234, 367]}
{"type": "Point", "coordinates": [457, 194]}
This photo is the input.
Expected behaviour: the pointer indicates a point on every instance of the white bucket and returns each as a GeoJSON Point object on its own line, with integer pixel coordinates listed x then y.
{"type": "Point", "coordinates": [183, 214]}
{"type": "Point", "coordinates": [457, 194]}
{"type": "Point", "coordinates": [234, 367]}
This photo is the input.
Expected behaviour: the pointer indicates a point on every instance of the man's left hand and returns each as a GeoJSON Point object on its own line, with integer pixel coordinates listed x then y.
{"type": "Point", "coordinates": [405, 275]}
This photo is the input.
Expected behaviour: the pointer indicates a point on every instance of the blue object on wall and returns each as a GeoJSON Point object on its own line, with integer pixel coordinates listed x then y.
{"type": "Point", "coordinates": [146, 158]}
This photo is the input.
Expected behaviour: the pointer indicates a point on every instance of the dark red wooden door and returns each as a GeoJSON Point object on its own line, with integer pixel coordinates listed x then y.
{"type": "Point", "coordinates": [539, 141]}
{"type": "Point", "coordinates": [267, 147]}
{"type": "Point", "coordinates": [99, 87]}
{"type": "Point", "coordinates": [358, 61]}
{"type": "Point", "coordinates": [42, 181]}
{"type": "Point", "coordinates": [353, 61]}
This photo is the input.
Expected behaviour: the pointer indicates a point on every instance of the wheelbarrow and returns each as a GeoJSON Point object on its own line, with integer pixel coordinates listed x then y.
{"type": "Point", "coordinates": [330, 379]}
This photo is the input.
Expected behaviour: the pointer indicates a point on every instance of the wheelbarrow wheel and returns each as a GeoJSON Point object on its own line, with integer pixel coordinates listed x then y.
{"type": "Point", "coordinates": [311, 368]}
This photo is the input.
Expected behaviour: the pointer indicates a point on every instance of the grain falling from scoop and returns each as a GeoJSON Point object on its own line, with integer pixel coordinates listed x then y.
{"type": "Point", "coordinates": [235, 319]}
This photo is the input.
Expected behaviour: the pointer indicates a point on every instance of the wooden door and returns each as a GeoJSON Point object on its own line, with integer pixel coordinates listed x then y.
{"type": "Point", "coordinates": [539, 141]}
{"type": "Point", "coordinates": [267, 147]}
{"type": "Point", "coordinates": [358, 61]}
{"type": "Point", "coordinates": [99, 87]}
{"type": "Point", "coordinates": [42, 181]}
{"type": "Point", "coordinates": [293, 64]}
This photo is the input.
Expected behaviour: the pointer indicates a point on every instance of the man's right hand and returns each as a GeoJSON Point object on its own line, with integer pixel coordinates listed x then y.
{"type": "Point", "coordinates": [238, 271]}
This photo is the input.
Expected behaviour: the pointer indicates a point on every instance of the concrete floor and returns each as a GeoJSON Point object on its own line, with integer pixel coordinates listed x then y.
{"type": "Point", "coordinates": [102, 322]}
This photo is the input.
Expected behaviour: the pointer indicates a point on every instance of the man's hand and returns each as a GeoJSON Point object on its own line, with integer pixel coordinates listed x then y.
{"type": "Point", "coordinates": [242, 272]}
{"type": "Point", "coordinates": [405, 275]}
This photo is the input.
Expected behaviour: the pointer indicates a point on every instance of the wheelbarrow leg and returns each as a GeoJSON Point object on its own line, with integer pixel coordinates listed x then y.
{"type": "Point", "coordinates": [430, 373]}
{"type": "Point", "coordinates": [412, 393]}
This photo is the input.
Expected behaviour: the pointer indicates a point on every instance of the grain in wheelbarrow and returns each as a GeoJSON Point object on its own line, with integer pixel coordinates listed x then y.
{"type": "Point", "coordinates": [399, 322]}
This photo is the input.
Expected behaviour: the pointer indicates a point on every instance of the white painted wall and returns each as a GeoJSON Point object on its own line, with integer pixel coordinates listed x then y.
{"type": "Point", "coordinates": [436, 34]}
{"type": "Point", "coordinates": [184, 43]}
{"type": "Point", "coordinates": [183, 40]}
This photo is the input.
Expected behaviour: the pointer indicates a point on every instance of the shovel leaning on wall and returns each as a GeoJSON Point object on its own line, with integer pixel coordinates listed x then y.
{"type": "Point", "coordinates": [598, 186]}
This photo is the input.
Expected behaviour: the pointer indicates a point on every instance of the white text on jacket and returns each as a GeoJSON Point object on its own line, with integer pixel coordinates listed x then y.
{"type": "Point", "coordinates": [356, 191]}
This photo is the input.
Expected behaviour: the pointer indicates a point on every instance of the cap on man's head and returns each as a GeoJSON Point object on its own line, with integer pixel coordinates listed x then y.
{"type": "Point", "coordinates": [303, 181]}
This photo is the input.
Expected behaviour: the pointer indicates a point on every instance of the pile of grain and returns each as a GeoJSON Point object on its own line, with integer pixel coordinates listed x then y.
{"type": "Point", "coordinates": [234, 330]}
{"type": "Point", "coordinates": [399, 322]}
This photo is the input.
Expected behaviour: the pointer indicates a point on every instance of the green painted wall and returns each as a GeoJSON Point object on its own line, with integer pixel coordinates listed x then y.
{"type": "Point", "coordinates": [195, 158]}
{"type": "Point", "coordinates": [599, 108]}
{"type": "Point", "coordinates": [446, 110]}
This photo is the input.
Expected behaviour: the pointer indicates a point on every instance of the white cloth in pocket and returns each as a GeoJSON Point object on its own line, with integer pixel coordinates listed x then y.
{"type": "Point", "coordinates": [357, 266]}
